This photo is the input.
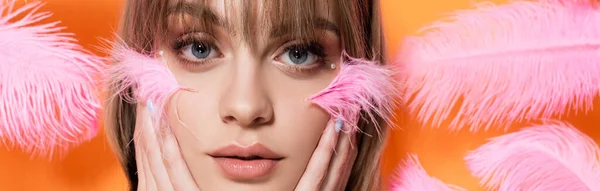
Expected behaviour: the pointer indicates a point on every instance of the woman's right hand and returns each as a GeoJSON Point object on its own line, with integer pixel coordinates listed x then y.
{"type": "Point", "coordinates": [160, 164]}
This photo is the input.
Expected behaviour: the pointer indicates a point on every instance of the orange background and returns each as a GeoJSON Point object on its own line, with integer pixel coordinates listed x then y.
{"type": "Point", "coordinates": [93, 167]}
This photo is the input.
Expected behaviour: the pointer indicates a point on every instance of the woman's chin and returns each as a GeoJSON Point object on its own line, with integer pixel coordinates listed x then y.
{"type": "Point", "coordinates": [262, 185]}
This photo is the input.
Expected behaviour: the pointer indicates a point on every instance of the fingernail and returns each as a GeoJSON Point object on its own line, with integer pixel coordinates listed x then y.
{"type": "Point", "coordinates": [338, 125]}
{"type": "Point", "coordinates": [150, 107]}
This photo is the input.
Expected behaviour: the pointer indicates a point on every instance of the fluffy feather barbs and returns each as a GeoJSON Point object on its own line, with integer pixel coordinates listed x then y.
{"type": "Point", "coordinates": [360, 86]}
{"type": "Point", "coordinates": [496, 65]}
{"type": "Point", "coordinates": [551, 156]}
{"type": "Point", "coordinates": [48, 97]}
{"type": "Point", "coordinates": [411, 176]}
{"type": "Point", "coordinates": [148, 79]}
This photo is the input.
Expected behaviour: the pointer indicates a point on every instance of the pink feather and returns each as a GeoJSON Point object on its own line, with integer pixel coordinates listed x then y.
{"type": "Point", "coordinates": [497, 65]}
{"type": "Point", "coordinates": [412, 177]}
{"type": "Point", "coordinates": [148, 77]}
{"type": "Point", "coordinates": [48, 97]}
{"type": "Point", "coordinates": [587, 3]}
{"type": "Point", "coordinates": [552, 156]}
{"type": "Point", "coordinates": [361, 86]}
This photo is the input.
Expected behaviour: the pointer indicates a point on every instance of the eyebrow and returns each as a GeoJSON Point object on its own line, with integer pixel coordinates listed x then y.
{"type": "Point", "coordinates": [208, 15]}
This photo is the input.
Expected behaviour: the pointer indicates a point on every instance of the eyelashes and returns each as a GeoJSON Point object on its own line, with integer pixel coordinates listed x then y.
{"type": "Point", "coordinates": [198, 51]}
{"type": "Point", "coordinates": [195, 51]}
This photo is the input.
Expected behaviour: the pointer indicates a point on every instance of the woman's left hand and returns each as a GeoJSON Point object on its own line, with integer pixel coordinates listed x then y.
{"type": "Point", "coordinates": [330, 165]}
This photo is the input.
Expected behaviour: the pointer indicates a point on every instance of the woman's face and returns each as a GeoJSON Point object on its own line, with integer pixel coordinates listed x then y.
{"type": "Point", "coordinates": [251, 96]}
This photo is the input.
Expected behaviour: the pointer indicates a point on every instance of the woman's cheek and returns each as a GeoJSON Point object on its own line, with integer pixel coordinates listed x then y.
{"type": "Point", "coordinates": [189, 119]}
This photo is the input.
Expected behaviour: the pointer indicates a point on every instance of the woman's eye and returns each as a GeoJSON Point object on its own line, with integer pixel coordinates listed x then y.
{"type": "Point", "coordinates": [198, 51]}
{"type": "Point", "coordinates": [298, 56]}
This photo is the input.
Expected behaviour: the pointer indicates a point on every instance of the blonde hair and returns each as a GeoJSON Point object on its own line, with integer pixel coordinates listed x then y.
{"type": "Point", "coordinates": [145, 22]}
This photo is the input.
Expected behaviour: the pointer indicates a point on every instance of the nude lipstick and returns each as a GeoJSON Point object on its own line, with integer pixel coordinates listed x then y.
{"type": "Point", "coordinates": [246, 163]}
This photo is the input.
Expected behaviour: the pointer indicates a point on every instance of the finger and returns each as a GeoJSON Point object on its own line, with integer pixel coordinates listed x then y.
{"type": "Point", "coordinates": [353, 144]}
{"type": "Point", "coordinates": [154, 158]}
{"type": "Point", "coordinates": [145, 179]}
{"type": "Point", "coordinates": [140, 166]}
{"type": "Point", "coordinates": [151, 182]}
{"type": "Point", "coordinates": [177, 168]}
{"type": "Point", "coordinates": [319, 162]}
{"type": "Point", "coordinates": [341, 163]}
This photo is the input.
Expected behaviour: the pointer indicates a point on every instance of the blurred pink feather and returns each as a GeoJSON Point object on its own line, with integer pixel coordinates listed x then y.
{"type": "Point", "coordinates": [149, 78]}
{"type": "Point", "coordinates": [413, 177]}
{"type": "Point", "coordinates": [48, 97]}
{"type": "Point", "coordinates": [553, 156]}
{"type": "Point", "coordinates": [587, 3]}
{"type": "Point", "coordinates": [361, 86]}
{"type": "Point", "coordinates": [497, 65]}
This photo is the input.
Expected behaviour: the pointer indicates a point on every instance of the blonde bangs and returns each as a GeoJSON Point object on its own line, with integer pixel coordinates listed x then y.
{"type": "Point", "coordinates": [149, 21]}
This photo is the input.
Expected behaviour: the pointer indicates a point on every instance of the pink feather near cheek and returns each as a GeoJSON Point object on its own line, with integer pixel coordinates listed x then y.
{"type": "Point", "coordinates": [361, 86]}
{"type": "Point", "coordinates": [149, 78]}
{"type": "Point", "coordinates": [49, 101]}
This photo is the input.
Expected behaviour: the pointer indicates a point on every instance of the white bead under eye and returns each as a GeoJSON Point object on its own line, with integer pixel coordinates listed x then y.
{"type": "Point", "coordinates": [162, 56]}
{"type": "Point", "coordinates": [332, 66]}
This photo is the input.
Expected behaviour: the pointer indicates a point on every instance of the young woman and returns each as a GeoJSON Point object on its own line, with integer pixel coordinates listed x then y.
{"type": "Point", "coordinates": [249, 126]}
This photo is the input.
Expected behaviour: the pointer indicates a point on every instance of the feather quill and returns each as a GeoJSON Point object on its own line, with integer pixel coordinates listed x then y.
{"type": "Point", "coordinates": [496, 65]}
{"type": "Point", "coordinates": [48, 97]}
{"type": "Point", "coordinates": [551, 156]}
{"type": "Point", "coordinates": [360, 86]}
{"type": "Point", "coordinates": [148, 77]}
{"type": "Point", "coordinates": [412, 176]}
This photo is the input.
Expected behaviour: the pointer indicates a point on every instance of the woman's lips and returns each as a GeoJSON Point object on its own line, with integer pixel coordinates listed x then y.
{"type": "Point", "coordinates": [246, 163]}
{"type": "Point", "coordinates": [238, 169]}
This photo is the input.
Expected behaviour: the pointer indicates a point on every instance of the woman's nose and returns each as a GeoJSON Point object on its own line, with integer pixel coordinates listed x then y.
{"type": "Point", "coordinates": [245, 102]}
